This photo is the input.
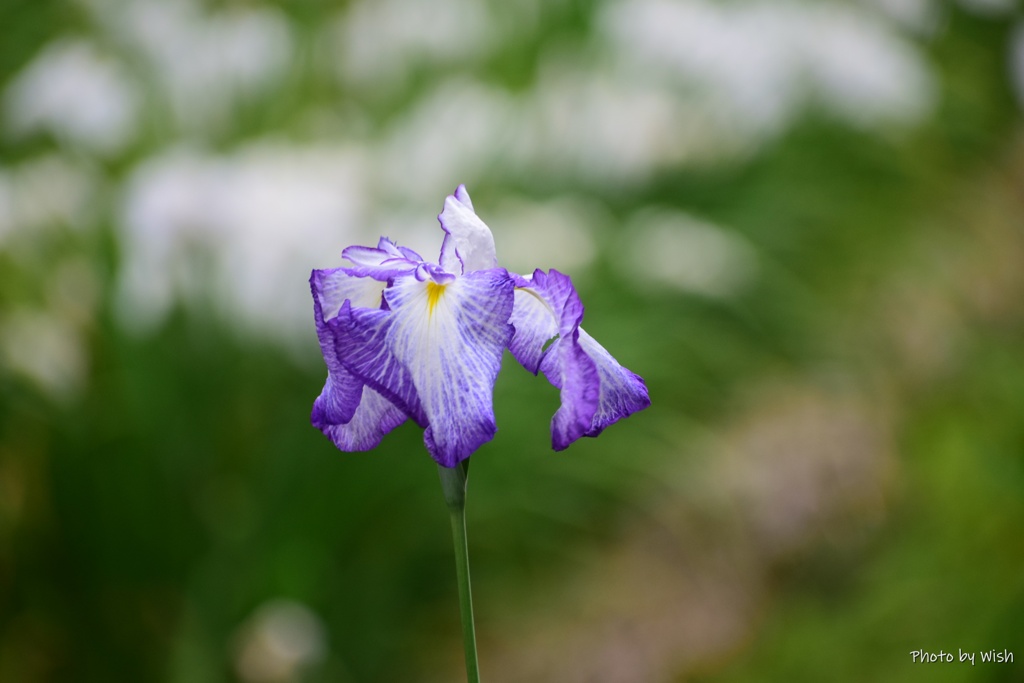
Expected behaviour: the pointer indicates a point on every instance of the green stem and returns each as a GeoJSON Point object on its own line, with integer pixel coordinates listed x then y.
{"type": "Point", "coordinates": [453, 483]}
{"type": "Point", "coordinates": [465, 594]}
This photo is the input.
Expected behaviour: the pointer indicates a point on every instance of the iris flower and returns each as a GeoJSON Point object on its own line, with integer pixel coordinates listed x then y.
{"type": "Point", "coordinates": [404, 338]}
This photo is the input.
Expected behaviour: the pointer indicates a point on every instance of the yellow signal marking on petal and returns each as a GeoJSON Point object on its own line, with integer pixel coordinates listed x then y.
{"type": "Point", "coordinates": [434, 292]}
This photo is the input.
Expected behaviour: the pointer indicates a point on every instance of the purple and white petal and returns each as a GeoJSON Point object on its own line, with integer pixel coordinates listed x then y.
{"type": "Point", "coordinates": [450, 338]}
{"type": "Point", "coordinates": [428, 271]}
{"type": "Point", "coordinates": [595, 390]}
{"type": "Point", "coordinates": [385, 250]}
{"type": "Point", "coordinates": [386, 270]}
{"type": "Point", "coordinates": [363, 334]}
{"type": "Point", "coordinates": [468, 243]}
{"type": "Point", "coordinates": [398, 251]}
{"type": "Point", "coordinates": [462, 195]}
{"type": "Point", "coordinates": [373, 419]}
{"type": "Point", "coordinates": [535, 322]}
{"type": "Point", "coordinates": [385, 244]}
{"type": "Point", "coordinates": [352, 415]}
{"type": "Point", "coordinates": [340, 396]}
{"type": "Point", "coordinates": [339, 399]}
{"type": "Point", "coordinates": [403, 338]}
{"type": "Point", "coordinates": [622, 391]}
{"type": "Point", "coordinates": [333, 286]}
{"type": "Point", "coordinates": [383, 262]}
{"type": "Point", "coordinates": [565, 363]}
{"type": "Point", "coordinates": [366, 256]}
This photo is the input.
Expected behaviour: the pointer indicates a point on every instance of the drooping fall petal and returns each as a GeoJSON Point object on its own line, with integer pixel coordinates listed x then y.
{"type": "Point", "coordinates": [353, 416]}
{"type": "Point", "coordinates": [595, 390]}
{"type": "Point", "coordinates": [436, 353]}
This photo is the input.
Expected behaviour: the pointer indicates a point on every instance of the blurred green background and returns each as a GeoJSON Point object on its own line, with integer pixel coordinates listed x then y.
{"type": "Point", "coordinates": [801, 222]}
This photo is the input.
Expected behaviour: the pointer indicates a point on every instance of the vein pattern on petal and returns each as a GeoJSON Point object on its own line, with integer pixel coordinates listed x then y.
{"type": "Point", "coordinates": [363, 334]}
{"type": "Point", "coordinates": [622, 391]}
{"type": "Point", "coordinates": [534, 321]}
{"type": "Point", "coordinates": [340, 396]}
{"type": "Point", "coordinates": [354, 417]}
{"type": "Point", "coordinates": [333, 286]}
{"type": "Point", "coordinates": [383, 262]}
{"type": "Point", "coordinates": [450, 339]}
{"type": "Point", "coordinates": [374, 417]}
{"type": "Point", "coordinates": [595, 390]}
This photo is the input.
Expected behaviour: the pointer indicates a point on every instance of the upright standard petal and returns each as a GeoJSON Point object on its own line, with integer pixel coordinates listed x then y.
{"type": "Point", "coordinates": [595, 390]}
{"type": "Point", "coordinates": [468, 243]}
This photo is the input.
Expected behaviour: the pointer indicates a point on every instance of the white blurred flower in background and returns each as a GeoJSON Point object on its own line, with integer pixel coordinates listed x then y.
{"type": "Point", "coordinates": [44, 348]}
{"type": "Point", "coordinates": [989, 7]}
{"type": "Point", "coordinates": [760, 63]}
{"type": "Point", "coordinates": [672, 248]}
{"type": "Point", "coordinates": [607, 128]}
{"type": "Point", "coordinates": [203, 63]}
{"type": "Point", "coordinates": [44, 201]}
{"type": "Point", "coordinates": [653, 86]}
{"type": "Point", "coordinates": [918, 16]}
{"type": "Point", "coordinates": [45, 345]}
{"type": "Point", "coordinates": [44, 194]}
{"type": "Point", "coordinates": [240, 232]}
{"type": "Point", "coordinates": [379, 43]}
{"type": "Point", "coordinates": [84, 98]}
{"type": "Point", "coordinates": [445, 137]}
{"type": "Point", "coordinates": [567, 226]}
{"type": "Point", "coordinates": [279, 642]}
